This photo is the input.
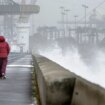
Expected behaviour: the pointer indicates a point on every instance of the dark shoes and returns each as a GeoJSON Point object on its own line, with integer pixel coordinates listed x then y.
{"type": "Point", "coordinates": [3, 77]}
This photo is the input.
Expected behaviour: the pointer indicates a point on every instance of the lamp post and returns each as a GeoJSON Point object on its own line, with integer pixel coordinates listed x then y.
{"type": "Point", "coordinates": [66, 11]}
{"type": "Point", "coordinates": [67, 20]}
{"type": "Point", "coordinates": [63, 19]}
{"type": "Point", "coordinates": [62, 14]}
{"type": "Point", "coordinates": [85, 7]}
{"type": "Point", "coordinates": [75, 21]}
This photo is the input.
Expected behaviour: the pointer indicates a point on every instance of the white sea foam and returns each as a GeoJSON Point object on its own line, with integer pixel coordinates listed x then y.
{"type": "Point", "coordinates": [93, 72]}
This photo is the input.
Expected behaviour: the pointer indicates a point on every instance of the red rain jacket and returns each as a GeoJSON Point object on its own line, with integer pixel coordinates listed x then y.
{"type": "Point", "coordinates": [4, 48]}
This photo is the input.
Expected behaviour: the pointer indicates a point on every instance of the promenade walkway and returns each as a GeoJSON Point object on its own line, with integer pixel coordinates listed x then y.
{"type": "Point", "coordinates": [16, 88]}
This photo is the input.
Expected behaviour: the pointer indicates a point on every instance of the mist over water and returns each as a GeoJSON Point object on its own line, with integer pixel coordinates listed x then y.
{"type": "Point", "coordinates": [91, 68]}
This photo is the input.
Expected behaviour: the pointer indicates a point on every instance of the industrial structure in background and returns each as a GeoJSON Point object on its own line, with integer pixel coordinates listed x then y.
{"type": "Point", "coordinates": [15, 22]}
{"type": "Point", "coordinates": [86, 36]}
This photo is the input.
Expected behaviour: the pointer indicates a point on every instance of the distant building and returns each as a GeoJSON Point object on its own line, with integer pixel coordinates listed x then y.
{"type": "Point", "coordinates": [23, 36]}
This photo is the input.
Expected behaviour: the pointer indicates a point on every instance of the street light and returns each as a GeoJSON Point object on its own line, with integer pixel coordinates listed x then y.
{"type": "Point", "coordinates": [63, 18]}
{"type": "Point", "coordinates": [85, 7]}
{"type": "Point", "coordinates": [67, 20]}
{"type": "Point", "coordinates": [66, 12]}
{"type": "Point", "coordinates": [62, 14]}
{"type": "Point", "coordinates": [75, 21]}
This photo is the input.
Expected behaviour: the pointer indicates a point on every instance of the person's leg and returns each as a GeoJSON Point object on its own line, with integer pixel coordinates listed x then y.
{"type": "Point", "coordinates": [1, 67]}
{"type": "Point", "coordinates": [4, 64]}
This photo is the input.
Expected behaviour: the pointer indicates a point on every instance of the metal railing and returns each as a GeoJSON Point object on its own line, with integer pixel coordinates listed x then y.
{"type": "Point", "coordinates": [14, 56]}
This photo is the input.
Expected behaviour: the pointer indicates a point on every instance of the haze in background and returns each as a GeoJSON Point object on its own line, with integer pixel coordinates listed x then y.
{"type": "Point", "coordinates": [50, 15]}
{"type": "Point", "coordinates": [50, 12]}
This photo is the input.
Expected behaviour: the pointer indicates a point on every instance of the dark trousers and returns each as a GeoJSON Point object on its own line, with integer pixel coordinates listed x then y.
{"type": "Point", "coordinates": [3, 64]}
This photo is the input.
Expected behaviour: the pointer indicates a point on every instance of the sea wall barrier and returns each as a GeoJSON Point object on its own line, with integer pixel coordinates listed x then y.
{"type": "Point", "coordinates": [59, 86]}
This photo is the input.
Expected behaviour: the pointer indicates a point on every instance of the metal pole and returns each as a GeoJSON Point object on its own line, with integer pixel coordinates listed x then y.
{"type": "Point", "coordinates": [67, 10]}
{"type": "Point", "coordinates": [62, 19]}
{"type": "Point", "coordinates": [67, 27]}
{"type": "Point", "coordinates": [62, 16]}
{"type": "Point", "coordinates": [75, 21]}
{"type": "Point", "coordinates": [85, 7]}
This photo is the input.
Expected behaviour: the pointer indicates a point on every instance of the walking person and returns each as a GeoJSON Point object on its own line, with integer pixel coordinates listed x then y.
{"type": "Point", "coordinates": [4, 52]}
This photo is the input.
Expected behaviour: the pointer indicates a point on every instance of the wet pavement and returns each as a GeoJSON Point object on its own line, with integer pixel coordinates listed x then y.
{"type": "Point", "coordinates": [16, 88]}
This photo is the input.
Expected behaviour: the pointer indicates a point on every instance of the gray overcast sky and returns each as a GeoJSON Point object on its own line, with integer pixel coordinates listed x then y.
{"type": "Point", "coordinates": [50, 10]}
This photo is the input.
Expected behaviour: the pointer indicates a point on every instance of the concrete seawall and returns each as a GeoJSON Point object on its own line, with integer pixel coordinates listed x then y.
{"type": "Point", "coordinates": [59, 86]}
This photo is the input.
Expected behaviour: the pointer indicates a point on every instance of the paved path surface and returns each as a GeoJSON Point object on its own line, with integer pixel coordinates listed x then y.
{"type": "Point", "coordinates": [16, 89]}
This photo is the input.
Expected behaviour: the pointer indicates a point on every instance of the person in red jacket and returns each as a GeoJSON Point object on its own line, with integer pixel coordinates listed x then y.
{"type": "Point", "coordinates": [4, 52]}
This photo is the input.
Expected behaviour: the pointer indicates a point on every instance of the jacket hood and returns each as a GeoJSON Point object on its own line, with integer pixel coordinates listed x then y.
{"type": "Point", "coordinates": [2, 39]}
